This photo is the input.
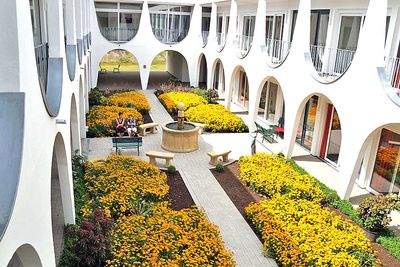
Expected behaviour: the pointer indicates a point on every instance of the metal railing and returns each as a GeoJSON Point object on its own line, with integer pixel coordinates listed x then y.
{"type": "Point", "coordinates": [115, 34]}
{"type": "Point", "coordinates": [204, 35]}
{"type": "Point", "coordinates": [170, 36]}
{"type": "Point", "coordinates": [330, 63]}
{"type": "Point", "coordinates": [277, 50]}
{"type": "Point", "coordinates": [42, 56]}
{"type": "Point", "coordinates": [221, 39]}
{"type": "Point", "coordinates": [392, 68]}
{"type": "Point", "coordinates": [243, 45]}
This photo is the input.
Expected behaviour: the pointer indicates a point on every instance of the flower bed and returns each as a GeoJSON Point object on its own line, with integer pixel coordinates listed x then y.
{"type": "Point", "coordinates": [217, 118]}
{"type": "Point", "coordinates": [100, 118]}
{"type": "Point", "coordinates": [137, 101]}
{"type": "Point", "coordinates": [146, 231]}
{"type": "Point", "coordinates": [273, 175]}
{"type": "Point", "coordinates": [105, 179]}
{"type": "Point", "coordinates": [172, 99]}
{"type": "Point", "coordinates": [168, 238]}
{"type": "Point", "coordinates": [298, 232]}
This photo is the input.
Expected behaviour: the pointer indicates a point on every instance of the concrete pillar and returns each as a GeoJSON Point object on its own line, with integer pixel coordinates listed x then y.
{"type": "Point", "coordinates": [259, 28]}
{"type": "Point", "coordinates": [55, 28]}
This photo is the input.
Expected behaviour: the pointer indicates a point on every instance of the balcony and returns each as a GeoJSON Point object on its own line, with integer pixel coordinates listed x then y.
{"type": "Point", "coordinates": [204, 35]}
{"type": "Point", "coordinates": [392, 68]}
{"type": "Point", "coordinates": [277, 50]}
{"type": "Point", "coordinates": [41, 57]}
{"type": "Point", "coordinates": [243, 45]}
{"type": "Point", "coordinates": [221, 40]}
{"type": "Point", "coordinates": [330, 63]}
{"type": "Point", "coordinates": [170, 36]}
{"type": "Point", "coordinates": [113, 34]}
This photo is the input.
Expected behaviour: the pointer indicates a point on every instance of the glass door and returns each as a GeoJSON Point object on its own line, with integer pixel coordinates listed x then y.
{"type": "Point", "coordinates": [272, 93]}
{"type": "Point", "coordinates": [263, 101]}
{"type": "Point", "coordinates": [335, 138]}
{"type": "Point", "coordinates": [305, 130]}
{"type": "Point", "coordinates": [386, 176]}
{"type": "Point", "coordinates": [243, 96]}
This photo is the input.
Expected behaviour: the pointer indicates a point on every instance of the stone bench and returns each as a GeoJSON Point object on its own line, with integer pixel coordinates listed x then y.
{"type": "Point", "coordinates": [152, 126]}
{"type": "Point", "coordinates": [200, 125]}
{"type": "Point", "coordinates": [153, 155]}
{"type": "Point", "coordinates": [215, 155]}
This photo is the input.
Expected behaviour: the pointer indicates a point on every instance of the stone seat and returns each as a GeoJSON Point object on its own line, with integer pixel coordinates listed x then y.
{"type": "Point", "coordinates": [152, 126]}
{"type": "Point", "coordinates": [215, 155]}
{"type": "Point", "coordinates": [162, 155]}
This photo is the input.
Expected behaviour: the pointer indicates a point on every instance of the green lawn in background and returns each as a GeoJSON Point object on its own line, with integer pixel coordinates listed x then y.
{"type": "Point", "coordinates": [159, 66]}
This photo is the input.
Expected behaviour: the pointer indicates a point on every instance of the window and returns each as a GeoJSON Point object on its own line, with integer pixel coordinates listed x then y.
{"type": "Point", "coordinates": [274, 26]}
{"type": "Point", "coordinates": [386, 175]}
{"type": "Point", "coordinates": [118, 22]}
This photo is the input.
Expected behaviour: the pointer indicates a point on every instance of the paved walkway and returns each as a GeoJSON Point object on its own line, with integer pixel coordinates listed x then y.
{"type": "Point", "coordinates": [204, 188]}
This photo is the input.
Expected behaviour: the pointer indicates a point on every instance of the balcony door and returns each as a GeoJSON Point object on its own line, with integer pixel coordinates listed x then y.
{"type": "Point", "coordinates": [305, 131]}
{"type": "Point", "coordinates": [248, 31]}
{"type": "Point", "coordinates": [274, 34]}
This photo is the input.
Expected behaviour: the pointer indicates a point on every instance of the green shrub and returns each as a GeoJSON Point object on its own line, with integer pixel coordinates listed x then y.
{"type": "Point", "coordinates": [391, 242]}
{"type": "Point", "coordinates": [171, 169]}
{"type": "Point", "coordinates": [219, 167]}
{"type": "Point", "coordinates": [347, 208]}
{"type": "Point", "coordinates": [96, 98]}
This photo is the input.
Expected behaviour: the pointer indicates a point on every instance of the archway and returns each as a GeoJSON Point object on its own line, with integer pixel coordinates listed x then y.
{"type": "Point", "coordinates": [239, 90]}
{"type": "Point", "coordinates": [270, 105]}
{"type": "Point", "coordinates": [218, 78]}
{"type": "Point", "coordinates": [168, 67]}
{"type": "Point", "coordinates": [74, 127]}
{"type": "Point", "coordinates": [25, 255]}
{"type": "Point", "coordinates": [118, 71]}
{"type": "Point", "coordinates": [318, 128]}
{"type": "Point", "coordinates": [202, 67]}
{"type": "Point", "coordinates": [62, 205]}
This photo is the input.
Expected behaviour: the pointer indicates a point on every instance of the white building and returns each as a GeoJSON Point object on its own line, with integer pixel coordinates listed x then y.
{"type": "Point", "coordinates": [326, 71]}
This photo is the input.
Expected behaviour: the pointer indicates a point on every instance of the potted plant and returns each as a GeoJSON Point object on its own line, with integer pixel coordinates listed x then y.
{"type": "Point", "coordinates": [374, 213]}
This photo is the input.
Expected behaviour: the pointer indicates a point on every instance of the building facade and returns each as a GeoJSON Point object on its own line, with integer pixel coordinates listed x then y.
{"type": "Point", "coordinates": [327, 72]}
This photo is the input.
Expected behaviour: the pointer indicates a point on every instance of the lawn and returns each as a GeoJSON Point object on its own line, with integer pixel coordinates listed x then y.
{"type": "Point", "coordinates": [159, 66]}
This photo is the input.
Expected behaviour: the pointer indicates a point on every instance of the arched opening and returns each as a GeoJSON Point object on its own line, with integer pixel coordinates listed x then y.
{"type": "Point", "coordinates": [223, 15]}
{"type": "Point", "coordinates": [203, 72]}
{"type": "Point", "coordinates": [74, 127]}
{"type": "Point", "coordinates": [218, 80]}
{"type": "Point", "coordinates": [205, 23]}
{"type": "Point", "coordinates": [271, 105]}
{"type": "Point", "coordinates": [25, 255]}
{"type": "Point", "coordinates": [169, 67]}
{"type": "Point", "coordinates": [240, 90]}
{"type": "Point", "coordinates": [118, 21]}
{"type": "Point", "coordinates": [82, 109]}
{"type": "Point", "coordinates": [62, 207]}
{"type": "Point", "coordinates": [319, 129]}
{"type": "Point", "coordinates": [170, 23]}
{"type": "Point", "coordinates": [118, 71]}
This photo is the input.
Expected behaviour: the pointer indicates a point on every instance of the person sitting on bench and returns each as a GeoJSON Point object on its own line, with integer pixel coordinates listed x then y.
{"type": "Point", "coordinates": [132, 126]}
{"type": "Point", "coordinates": [120, 125]}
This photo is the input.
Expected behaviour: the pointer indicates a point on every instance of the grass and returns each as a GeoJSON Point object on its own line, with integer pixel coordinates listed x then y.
{"type": "Point", "coordinates": [158, 66]}
{"type": "Point", "coordinates": [391, 242]}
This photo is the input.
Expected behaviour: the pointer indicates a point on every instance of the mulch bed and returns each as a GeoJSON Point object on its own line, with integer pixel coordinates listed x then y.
{"type": "Point", "coordinates": [242, 196]}
{"type": "Point", "coordinates": [179, 195]}
{"type": "Point", "coordinates": [147, 118]}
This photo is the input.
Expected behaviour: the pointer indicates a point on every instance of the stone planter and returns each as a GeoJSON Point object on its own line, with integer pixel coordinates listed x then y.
{"type": "Point", "coordinates": [372, 236]}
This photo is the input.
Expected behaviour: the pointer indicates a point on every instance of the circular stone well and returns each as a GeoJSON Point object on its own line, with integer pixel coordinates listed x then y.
{"type": "Point", "coordinates": [181, 141]}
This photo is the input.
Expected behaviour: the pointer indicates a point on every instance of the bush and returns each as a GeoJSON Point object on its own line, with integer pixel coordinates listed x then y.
{"type": "Point", "coordinates": [375, 211]}
{"type": "Point", "coordinates": [100, 119]}
{"type": "Point", "coordinates": [135, 100]}
{"type": "Point", "coordinates": [298, 232]}
{"type": "Point", "coordinates": [93, 239]}
{"type": "Point", "coordinates": [96, 98]}
{"type": "Point", "coordinates": [271, 175]}
{"type": "Point", "coordinates": [219, 167]}
{"type": "Point", "coordinates": [217, 119]}
{"type": "Point", "coordinates": [114, 182]}
{"type": "Point", "coordinates": [80, 195]}
{"type": "Point", "coordinates": [391, 242]}
{"type": "Point", "coordinates": [171, 169]}
{"type": "Point", "coordinates": [172, 99]}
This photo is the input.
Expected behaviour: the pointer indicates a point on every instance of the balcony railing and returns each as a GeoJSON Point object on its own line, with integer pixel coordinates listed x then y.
{"type": "Point", "coordinates": [221, 39]}
{"type": "Point", "coordinates": [331, 63]}
{"type": "Point", "coordinates": [392, 68]}
{"type": "Point", "coordinates": [170, 36]}
{"type": "Point", "coordinates": [243, 45]}
{"type": "Point", "coordinates": [42, 56]}
{"type": "Point", "coordinates": [204, 35]}
{"type": "Point", "coordinates": [277, 50]}
{"type": "Point", "coordinates": [115, 34]}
